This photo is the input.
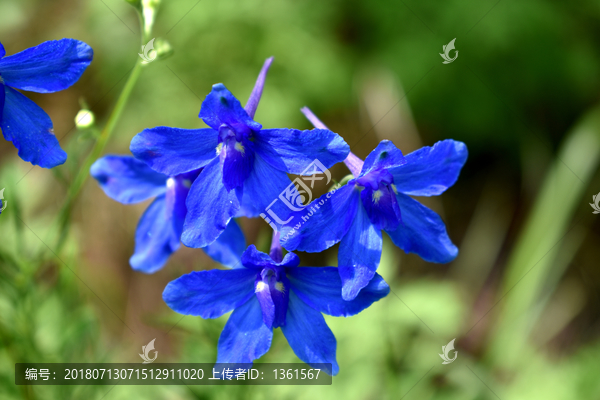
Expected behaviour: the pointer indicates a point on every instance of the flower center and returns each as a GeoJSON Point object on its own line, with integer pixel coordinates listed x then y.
{"type": "Point", "coordinates": [272, 291]}
{"type": "Point", "coordinates": [374, 179]}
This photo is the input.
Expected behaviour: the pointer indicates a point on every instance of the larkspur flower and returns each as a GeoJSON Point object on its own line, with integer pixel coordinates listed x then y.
{"type": "Point", "coordinates": [269, 292]}
{"type": "Point", "coordinates": [245, 166]}
{"type": "Point", "coordinates": [128, 180]}
{"type": "Point", "coordinates": [49, 67]}
{"type": "Point", "coordinates": [378, 198]}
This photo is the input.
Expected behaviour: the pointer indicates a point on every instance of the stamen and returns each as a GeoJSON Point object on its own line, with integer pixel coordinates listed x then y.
{"type": "Point", "coordinates": [377, 195]}
{"type": "Point", "coordinates": [260, 286]}
{"type": "Point", "coordinates": [279, 286]}
{"type": "Point", "coordinates": [239, 147]}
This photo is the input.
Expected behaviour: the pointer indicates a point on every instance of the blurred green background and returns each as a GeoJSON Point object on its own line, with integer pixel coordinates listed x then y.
{"type": "Point", "coordinates": [523, 297]}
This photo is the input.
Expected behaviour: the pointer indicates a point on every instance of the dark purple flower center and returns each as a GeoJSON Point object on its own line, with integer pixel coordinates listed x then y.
{"type": "Point", "coordinates": [236, 153]}
{"type": "Point", "coordinates": [239, 132]}
{"type": "Point", "coordinates": [272, 290]}
{"type": "Point", "coordinates": [379, 199]}
{"type": "Point", "coordinates": [375, 179]}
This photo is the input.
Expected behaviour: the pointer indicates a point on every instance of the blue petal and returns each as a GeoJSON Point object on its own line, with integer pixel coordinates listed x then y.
{"type": "Point", "coordinates": [30, 129]}
{"type": "Point", "coordinates": [177, 191]}
{"type": "Point", "coordinates": [49, 67]}
{"type": "Point", "coordinates": [321, 288]}
{"type": "Point", "coordinates": [386, 155]}
{"type": "Point", "coordinates": [429, 171]}
{"type": "Point", "coordinates": [155, 239]}
{"type": "Point", "coordinates": [159, 233]}
{"type": "Point", "coordinates": [221, 107]}
{"type": "Point", "coordinates": [245, 337]}
{"type": "Point", "coordinates": [228, 247]}
{"type": "Point", "coordinates": [423, 232]}
{"type": "Point", "coordinates": [210, 207]}
{"type": "Point", "coordinates": [308, 334]}
{"type": "Point", "coordinates": [253, 258]}
{"type": "Point", "coordinates": [173, 151]}
{"type": "Point", "coordinates": [127, 180]}
{"type": "Point", "coordinates": [315, 230]}
{"type": "Point", "coordinates": [210, 294]}
{"type": "Point", "coordinates": [262, 187]}
{"type": "Point", "coordinates": [238, 160]}
{"type": "Point", "coordinates": [294, 151]}
{"type": "Point", "coordinates": [359, 255]}
{"type": "Point", "coordinates": [2, 51]}
{"type": "Point", "coordinates": [1, 102]}
{"type": "Point", "coordinates": [290, 260]}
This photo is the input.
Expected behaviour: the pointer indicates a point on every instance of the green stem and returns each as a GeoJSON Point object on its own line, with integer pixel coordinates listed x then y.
{"type": "Point", "coordinates": [82, 175]}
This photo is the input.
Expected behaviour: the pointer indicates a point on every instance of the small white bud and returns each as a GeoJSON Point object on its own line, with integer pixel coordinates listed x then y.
{"type": "Point", "coordinates": [84, 119]}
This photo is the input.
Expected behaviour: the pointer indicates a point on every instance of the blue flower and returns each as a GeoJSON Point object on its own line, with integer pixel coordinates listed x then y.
{"type": "Point", "coordinates": [128, 181]}
{"type": "Point", "coordinates": [49, 67]}
{"type": "Point", "coordinates": [244, 166]}
{"type": "Point", "coordinates": [377, 199]}
{"type": "Point", "coordinates": [269, 293]}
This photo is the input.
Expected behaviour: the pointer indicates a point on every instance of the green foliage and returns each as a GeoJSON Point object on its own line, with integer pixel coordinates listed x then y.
{"type": "Point", "coordinates": [527, 74]}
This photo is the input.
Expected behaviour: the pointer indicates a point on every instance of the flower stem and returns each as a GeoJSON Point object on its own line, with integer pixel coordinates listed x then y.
{"type": "Point", "coordinates": [82, 175]}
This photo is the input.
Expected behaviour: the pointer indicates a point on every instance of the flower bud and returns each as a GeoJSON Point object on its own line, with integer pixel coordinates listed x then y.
{"type": "Point", "coordinates": [84, 119]}
{"type": "Point", "coordinates": [163, 49]}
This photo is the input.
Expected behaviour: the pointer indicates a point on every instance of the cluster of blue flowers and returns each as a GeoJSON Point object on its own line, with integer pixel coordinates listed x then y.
{"type": "Point", "coordinates": [204, 178]}
{"type": "Point", "coordinates": [201, 179]}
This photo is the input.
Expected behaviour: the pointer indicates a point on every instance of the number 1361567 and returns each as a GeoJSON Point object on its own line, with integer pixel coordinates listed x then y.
{"type": "Point", "coordinates": [296, 373]}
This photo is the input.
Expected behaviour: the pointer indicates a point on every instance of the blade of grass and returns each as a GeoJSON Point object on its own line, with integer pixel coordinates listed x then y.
{"type": "Point", "coordinates": [532, 260]}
